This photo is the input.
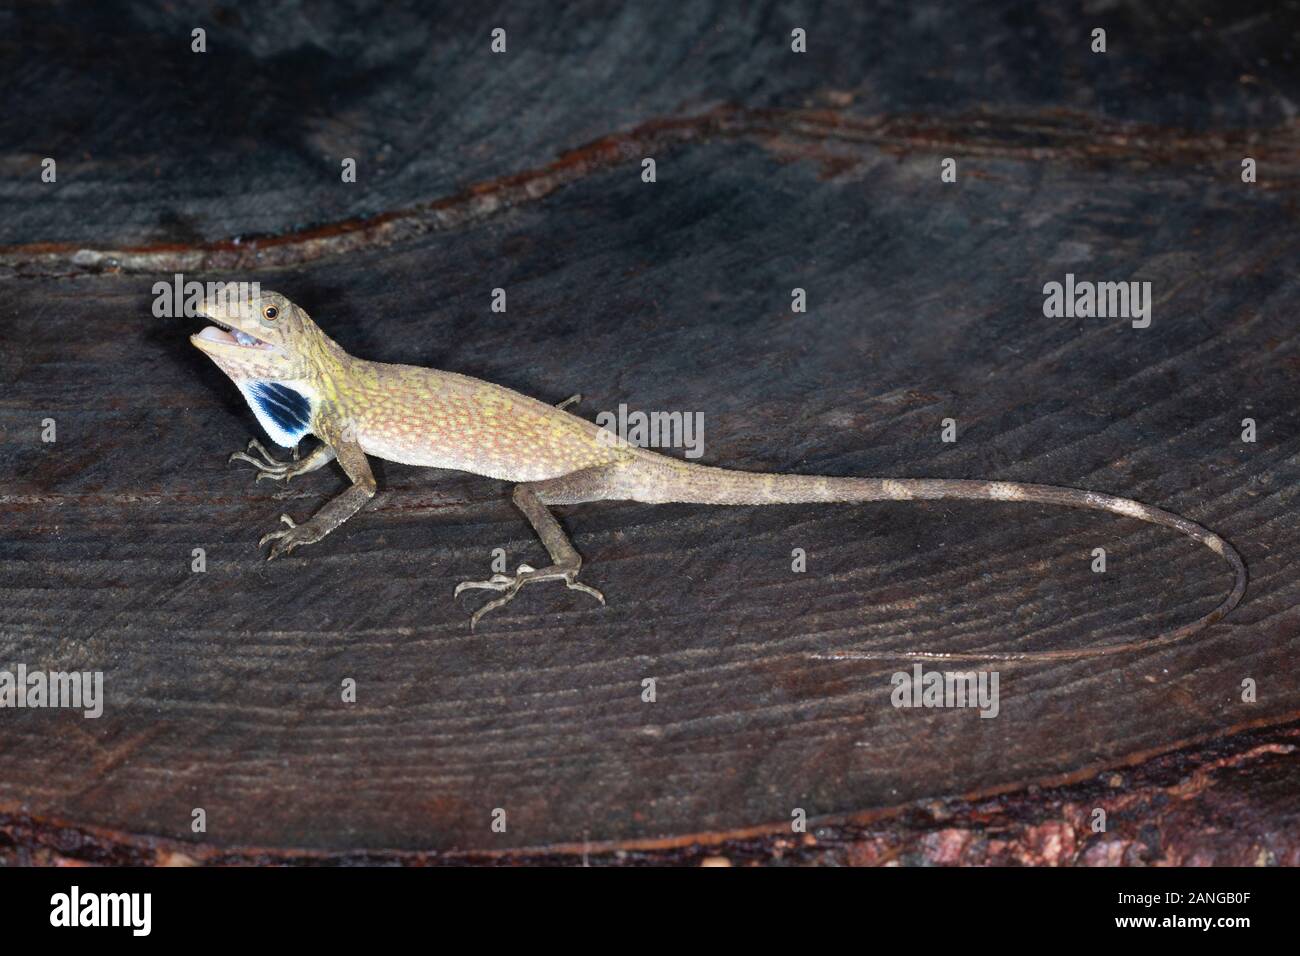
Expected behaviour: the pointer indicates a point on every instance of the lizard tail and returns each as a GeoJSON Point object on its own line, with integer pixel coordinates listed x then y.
{"type": "Point", "coordinates": [676, 481]}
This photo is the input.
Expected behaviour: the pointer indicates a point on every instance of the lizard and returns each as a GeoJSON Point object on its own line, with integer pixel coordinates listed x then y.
{"type": "Point", "coordinates": [299, 382]}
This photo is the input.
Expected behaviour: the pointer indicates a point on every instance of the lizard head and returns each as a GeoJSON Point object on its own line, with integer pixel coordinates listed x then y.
{"type": "Point", "coordinates": [274, 352]}
{"type": "Point", "coordinates": [259, 338]}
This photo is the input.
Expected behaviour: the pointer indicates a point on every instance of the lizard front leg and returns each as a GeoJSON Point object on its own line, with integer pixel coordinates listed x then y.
{"type": "Point", "coordinates": [276, 470]}
{"type": "Point", "coordinates": [336, 511]}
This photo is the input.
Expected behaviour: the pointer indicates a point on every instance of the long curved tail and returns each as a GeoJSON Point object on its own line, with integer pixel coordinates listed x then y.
{"type": "Point", "coordinates": [667, 480]}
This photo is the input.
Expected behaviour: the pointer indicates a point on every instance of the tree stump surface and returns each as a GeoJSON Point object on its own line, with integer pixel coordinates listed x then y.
{"type": "Point", "coordinates": [775, 171]}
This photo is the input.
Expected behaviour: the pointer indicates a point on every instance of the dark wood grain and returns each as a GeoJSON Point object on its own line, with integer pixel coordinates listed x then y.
{"type": "Point", "coordinates": [774, 172]}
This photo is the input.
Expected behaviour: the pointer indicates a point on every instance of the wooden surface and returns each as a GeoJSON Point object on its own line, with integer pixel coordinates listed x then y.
{"type": "Point", "coordinates": [523, 171]}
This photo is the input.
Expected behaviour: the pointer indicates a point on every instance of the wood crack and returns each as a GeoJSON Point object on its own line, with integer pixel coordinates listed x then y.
{"type": "Point", "coordinates": [829, 137]}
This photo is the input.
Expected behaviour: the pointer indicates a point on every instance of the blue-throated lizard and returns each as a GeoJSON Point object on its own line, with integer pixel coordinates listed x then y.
{"type": "Point", "coordinates": [299, 382]}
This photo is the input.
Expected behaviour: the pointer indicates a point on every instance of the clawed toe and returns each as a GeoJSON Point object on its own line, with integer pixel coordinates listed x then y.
{"type": "Point", "coordinates": [275, 535]}
{"type": "Point", "coordinates": [491, 606]}
{"type": "Point", "coordinates": [266, 465]}
{"type": "Point", "coordinates": [586, 589]}
{"type": "Point", "coordinates": [257, 463]}
{"type": "Point", "coordinates": [280, 472]}
{"type": "Point", "coordinates": [498, 582]}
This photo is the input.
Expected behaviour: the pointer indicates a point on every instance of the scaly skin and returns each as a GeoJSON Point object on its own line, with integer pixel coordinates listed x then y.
{"type": "Point", "coordinates": [298, 382]}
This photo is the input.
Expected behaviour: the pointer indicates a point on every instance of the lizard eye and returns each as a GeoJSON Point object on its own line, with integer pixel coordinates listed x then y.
{"type": "Point", "coordinates": [270, 312]}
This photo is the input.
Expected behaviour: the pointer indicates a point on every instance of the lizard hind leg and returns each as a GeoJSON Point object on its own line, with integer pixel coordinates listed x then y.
{"type": "Point", "coordinates": [566, 560]}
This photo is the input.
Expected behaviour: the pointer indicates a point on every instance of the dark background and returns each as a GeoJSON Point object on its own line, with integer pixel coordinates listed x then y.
{"type": "Point", "coordinates": [775, 171]}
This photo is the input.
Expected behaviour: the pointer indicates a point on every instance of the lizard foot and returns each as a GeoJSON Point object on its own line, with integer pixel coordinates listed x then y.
{"type": "Point", "coordinates": [289, 538]}
{"type": "Point", "coordinates": [268, 467]}
{"type": "Point", "coordinates": [510, 585]}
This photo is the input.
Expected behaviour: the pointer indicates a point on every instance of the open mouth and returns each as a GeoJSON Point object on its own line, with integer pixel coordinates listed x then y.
{"type": "Point", "coordinates": [229, 335]}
